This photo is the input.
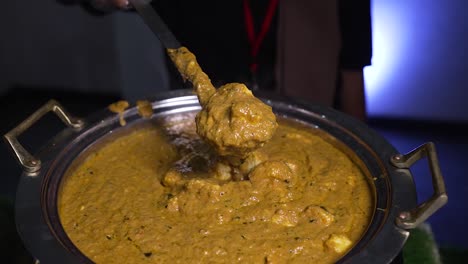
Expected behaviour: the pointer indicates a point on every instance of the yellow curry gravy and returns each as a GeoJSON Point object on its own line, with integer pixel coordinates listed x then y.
{"type": "Point", "coordinates": [157, 195]}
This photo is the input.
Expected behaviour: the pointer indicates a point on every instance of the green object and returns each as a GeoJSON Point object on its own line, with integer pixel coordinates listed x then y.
{"type": "Point", "coordinates": [421, 247]}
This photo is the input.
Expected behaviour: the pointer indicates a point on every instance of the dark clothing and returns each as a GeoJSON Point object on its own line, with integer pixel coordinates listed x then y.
{"type": "Point", "coordinates": [356, 34]}
{"type": "Point", "coordinates": [215, 32]}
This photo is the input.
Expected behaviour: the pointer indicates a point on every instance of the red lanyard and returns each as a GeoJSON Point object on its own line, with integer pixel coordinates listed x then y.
{"type": "Point", "coordinates": [255, 41]}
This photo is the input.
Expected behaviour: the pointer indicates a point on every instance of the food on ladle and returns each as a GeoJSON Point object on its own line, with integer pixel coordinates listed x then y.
{"type": "Point", "coordinates": [232, 119]}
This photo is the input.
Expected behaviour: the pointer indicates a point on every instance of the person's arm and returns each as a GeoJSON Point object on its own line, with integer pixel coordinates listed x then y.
{"type": "Point", "coordinates": [99, 6]}
{"type": "Point", "coordinates": [356, 53]}
{"type": "Point", "coordinates": [120, 4]}
{"type": "Point", "coordinates": [353, 99]}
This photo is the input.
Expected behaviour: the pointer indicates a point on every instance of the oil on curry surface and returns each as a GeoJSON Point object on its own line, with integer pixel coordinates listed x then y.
{"type": "Point", "coordinates": [158, 194]}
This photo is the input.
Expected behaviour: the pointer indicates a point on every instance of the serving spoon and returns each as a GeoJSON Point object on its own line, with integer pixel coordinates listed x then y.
{"type": "Point", "coordinates": [232, 119]}
{"type": "Point", "coordinates": [173, 46]}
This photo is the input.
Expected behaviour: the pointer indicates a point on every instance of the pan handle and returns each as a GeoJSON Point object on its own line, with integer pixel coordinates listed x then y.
{"type": "Point", "coordinates": [412, 218]}
{"type": "Point", "coordinates": [28, 161]}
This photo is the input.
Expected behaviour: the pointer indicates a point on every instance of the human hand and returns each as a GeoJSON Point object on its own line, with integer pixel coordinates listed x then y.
{"type": "Point", "coordinates": [105, 5]}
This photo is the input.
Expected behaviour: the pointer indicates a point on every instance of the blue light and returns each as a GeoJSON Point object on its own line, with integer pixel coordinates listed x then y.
{"type": "Point", "coordinates": [419, 65]}
{"type": "Point", "coordinates": [389, 40]}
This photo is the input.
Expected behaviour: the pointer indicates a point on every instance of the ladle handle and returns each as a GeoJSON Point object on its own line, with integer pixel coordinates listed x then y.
{"type": "Point", "coordinates": [155, 23]}
{"type": "Point", "coordinates": [412, 218]}
{"type": "Point", "coordinates": [28, 161]}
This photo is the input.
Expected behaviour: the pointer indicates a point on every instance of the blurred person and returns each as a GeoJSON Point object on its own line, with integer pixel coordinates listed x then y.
{"type": "Point", "coordinates": [311, 50]}
{"type": "Point", "coordinates": [323, 47]}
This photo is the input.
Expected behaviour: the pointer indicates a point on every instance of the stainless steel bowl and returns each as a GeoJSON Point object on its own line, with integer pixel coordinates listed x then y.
{"type": "Point", "coordinates": [395, 211]}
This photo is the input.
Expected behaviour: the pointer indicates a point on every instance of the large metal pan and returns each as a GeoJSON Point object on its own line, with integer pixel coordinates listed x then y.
{"type": "Point", "coordinates": [395, 211]}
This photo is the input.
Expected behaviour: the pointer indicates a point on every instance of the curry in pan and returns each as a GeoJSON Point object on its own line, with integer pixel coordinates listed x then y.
{"type": "Point", "coordinates": [158, 194]}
